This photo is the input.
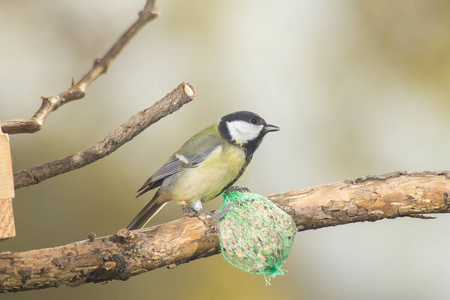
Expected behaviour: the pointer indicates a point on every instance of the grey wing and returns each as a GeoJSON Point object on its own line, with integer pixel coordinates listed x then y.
{"type": "Point", "coordinates": [172, 166]}
{"type": "Point", "coordinates": [177, 162]}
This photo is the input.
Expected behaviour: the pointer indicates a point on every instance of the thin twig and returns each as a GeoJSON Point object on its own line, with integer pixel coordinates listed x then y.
{"type": "Point", "coordinates": [181, 95]}
{"type": "Point", "coordinates": [128, 253]}
{"type": "Point", "coordinates": [78, 90]}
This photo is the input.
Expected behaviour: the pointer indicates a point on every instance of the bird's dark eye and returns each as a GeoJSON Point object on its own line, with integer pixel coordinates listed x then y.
{"type": "Point", "coordinates": [253, 121]}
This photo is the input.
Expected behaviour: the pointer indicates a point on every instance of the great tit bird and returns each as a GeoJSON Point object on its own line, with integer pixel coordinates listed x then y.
{"type": "Point", "coordinates": [206, 165]}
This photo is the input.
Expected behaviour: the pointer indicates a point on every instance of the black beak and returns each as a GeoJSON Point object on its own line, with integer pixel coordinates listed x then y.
{"type": "Point", "coordinates": [269, 128]}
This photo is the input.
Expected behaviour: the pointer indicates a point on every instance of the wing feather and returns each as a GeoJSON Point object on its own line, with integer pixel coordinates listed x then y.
{"type": "Point", "coordinates": [190, 155]}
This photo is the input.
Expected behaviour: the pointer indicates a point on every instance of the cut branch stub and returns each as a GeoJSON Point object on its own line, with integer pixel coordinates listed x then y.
{"type": "Point", "coordinates": [182, 94]}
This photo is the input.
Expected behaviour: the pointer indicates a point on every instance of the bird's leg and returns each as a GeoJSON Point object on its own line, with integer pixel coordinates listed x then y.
{"type": "Point", "coordinates": [198, 207]}
{"type": "Point", "coordinates": [224, 211]}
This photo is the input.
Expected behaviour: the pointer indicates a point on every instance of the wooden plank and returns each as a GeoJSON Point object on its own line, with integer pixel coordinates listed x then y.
{"type": "Point", "coordinates": [7, 226]}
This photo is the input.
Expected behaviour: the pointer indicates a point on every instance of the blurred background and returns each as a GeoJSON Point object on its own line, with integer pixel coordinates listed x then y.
{"type": "Point", "coordinates": [358, 88]}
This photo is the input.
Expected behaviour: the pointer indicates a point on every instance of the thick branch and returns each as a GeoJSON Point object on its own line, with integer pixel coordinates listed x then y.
{"type": "Point", "coordinates": [181, 95]}
{"type": "Point", "coordinates": [369, 198]}
{"type": "Point", "coordinates": [168, 245]}
{"type": "Point", "coordinates": [78, 90]}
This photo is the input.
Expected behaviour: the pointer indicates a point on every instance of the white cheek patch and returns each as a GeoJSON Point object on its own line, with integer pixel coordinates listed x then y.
{"type": "Point", "coordinates": [243, 132]}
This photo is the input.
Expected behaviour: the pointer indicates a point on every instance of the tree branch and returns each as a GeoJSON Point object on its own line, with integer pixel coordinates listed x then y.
{"type": "Point", "coordinates": [369, 198]}
{"type": "Point", "coordinates": [181, 95]}
{"type": "Point", "coordinates": [128, 253]}
{"type": "Point", "coordinates": [78, 91]}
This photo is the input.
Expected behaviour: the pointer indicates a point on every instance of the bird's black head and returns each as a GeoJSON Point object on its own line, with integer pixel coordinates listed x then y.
{"type": "Point", "coordinates": [245, 129]}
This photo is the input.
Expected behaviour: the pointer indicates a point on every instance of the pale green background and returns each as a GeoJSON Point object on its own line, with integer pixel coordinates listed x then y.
{"type": "Point", "coordinates": [358, 88]}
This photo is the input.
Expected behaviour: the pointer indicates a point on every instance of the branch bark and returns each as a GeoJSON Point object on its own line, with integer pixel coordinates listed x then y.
{"type": "Point", "coordinates": [173, 101]}
{"type": "Point", "coordinates": [128, 253]}
{"type": "Point", "coordinates": [78, 90]}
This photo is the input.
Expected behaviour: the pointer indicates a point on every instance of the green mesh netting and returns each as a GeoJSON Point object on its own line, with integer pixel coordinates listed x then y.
{"type": "Point", "coordinates": [255, 235]}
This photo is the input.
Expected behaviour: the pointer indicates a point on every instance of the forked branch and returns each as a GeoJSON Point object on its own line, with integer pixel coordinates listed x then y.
{"type": "Point", "coordinates": [78, 90]}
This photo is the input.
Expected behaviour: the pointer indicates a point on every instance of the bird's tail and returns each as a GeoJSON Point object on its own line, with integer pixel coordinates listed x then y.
{"type": "Point", "coordinates": [144, 216]}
